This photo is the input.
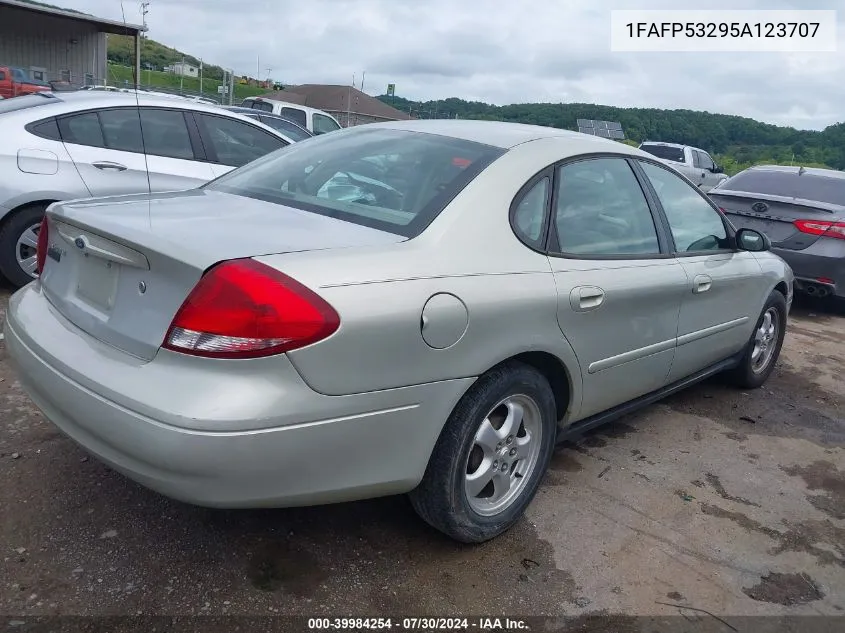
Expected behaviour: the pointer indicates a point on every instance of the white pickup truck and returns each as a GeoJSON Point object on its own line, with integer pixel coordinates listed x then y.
{"type": "Point", "coordinates": [692, 162]}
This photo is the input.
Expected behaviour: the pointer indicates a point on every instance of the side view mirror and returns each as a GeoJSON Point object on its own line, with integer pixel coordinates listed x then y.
{"type": "Point", "coordinates": [753, 241]}
{"type": "Point", "coordinates": [717, 169]}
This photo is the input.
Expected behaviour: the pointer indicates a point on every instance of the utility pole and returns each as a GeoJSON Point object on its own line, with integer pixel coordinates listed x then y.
{"type": "Point", "coordinates": [181, 76]}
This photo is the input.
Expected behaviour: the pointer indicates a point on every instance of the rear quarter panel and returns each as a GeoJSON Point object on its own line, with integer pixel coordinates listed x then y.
{"type": "Point", "coordinates": [470, 252]}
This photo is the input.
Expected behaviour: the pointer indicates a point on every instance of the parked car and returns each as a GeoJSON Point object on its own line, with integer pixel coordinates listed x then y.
{"type": "Point", "coordinates": [275, 121]}
{"type": "Point", "coordinates": [802, 210]}
{"type": "Point", "coordinates": [313, 120]}
{"type": "Point", "coordinates": [89, 143]}
{"type": "Point", "coordinates": [692, 162]}
{"type": "Point", "coordinates": [15, 82]}
{"type": "Point", "coordinates": [420, 306]}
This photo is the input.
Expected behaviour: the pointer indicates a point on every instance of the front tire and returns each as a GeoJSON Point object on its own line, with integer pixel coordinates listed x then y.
{"type": "Point", "coordinates": [18, 240]}
{"type": "Point", "coordinates": [763, 350]}
{"type": "Point", "coordinates": [491, 456]}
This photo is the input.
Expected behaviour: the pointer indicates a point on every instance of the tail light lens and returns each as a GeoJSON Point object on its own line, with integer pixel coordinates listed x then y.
{"type": "Point", "coordinates": [822, 227]}
{"type": "Point", "coordinates": [41, 247]}
{"type": "Point", "coordinates": [245, 309]}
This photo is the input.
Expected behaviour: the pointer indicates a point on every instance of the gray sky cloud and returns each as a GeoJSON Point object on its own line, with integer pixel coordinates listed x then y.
{"type": "Point", "coordinates": [498, 51]}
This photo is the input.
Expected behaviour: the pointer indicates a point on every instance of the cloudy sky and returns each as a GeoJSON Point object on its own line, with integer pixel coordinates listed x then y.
{"type": "Point", "coordinates": [498, 51]}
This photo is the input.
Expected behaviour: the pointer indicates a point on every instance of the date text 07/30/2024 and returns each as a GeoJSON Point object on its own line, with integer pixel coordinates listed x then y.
{"type": "Point", "coordinates": [485, 625]}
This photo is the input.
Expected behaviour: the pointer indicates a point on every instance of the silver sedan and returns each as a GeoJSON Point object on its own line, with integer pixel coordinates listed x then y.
{"type": "Point", "coordinates": [422, 307]}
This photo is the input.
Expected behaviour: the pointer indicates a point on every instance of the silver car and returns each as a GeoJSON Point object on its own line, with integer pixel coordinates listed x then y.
{"type": "Point", "coordinates": [421, 307]}
{"type": "Point", "coordinates": [62, 146]}
{"type": "Point", "coordinates": [802, 211]}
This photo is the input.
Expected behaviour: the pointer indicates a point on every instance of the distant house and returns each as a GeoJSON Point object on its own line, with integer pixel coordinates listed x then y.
{"type": "Point", "coordinates": [185, 69]}
{"type": "Point", "coordinates": [348, 105]}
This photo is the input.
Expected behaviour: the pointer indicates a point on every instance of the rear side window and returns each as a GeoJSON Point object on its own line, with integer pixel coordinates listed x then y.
{"type": "Point", "coordinates": [166, 133]}
{"type": "Point", "coordinates": [323, 124]}
{"type": "Point", "coordinates": [259, 105]}
{"type": "Point", "coordinates": [237, 143]}
{"type": "Point", "coordinates": [48, 129]}
{"type": "Point", "coordinates": [789, 185]}
{"type": "Point", "coordinates": [529, 214]}
{"type": "Point", "coordinates": [396, 181]}
{"type": "Point", "coordinates": [296, 115]}
{"type": "Point", "coordinates": [665, 152]}
{"type": "Point", "coordinates": [82, 129]}
{"type": "Point", "coordinates": [601, 210]}
{"type": "Point", "coordinates": [122, 130]}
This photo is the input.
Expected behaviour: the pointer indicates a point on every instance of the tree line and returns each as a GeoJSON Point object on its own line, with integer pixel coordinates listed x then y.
{"type": "Point", "coordinates": [736, 142]}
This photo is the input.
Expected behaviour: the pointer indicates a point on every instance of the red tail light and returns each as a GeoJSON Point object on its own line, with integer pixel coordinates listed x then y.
{"type": "Point", "coordinates": [822, 227]}
{"type": "Point", "coordinates": [244, 309]}
{"type": "Point", "coordinates": [41, 247]}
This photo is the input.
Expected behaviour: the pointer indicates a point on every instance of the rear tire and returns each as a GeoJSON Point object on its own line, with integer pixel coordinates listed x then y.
{"type": "Point", "coordinates": [762, 352]}
{"type": "Point", "coordinates": [16, 251]}
{"type": "Point", "coordinates": [491, 455]}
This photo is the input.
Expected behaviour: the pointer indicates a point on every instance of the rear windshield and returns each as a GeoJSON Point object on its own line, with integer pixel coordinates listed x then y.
{"type": "Point", "coordinates": [665, 152]}
{"type": "Point", "coordinates": [395, 181]}
{"type": "Point", "coordinates": [27, 101]}
{"type": "Point", "coordinates": [789, 185]}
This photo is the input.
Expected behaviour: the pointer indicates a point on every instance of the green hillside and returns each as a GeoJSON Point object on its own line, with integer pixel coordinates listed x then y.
{"type": "Point", "coordinates": [122, 75]}
{"type": "Point", "coordinates": [736, 142]}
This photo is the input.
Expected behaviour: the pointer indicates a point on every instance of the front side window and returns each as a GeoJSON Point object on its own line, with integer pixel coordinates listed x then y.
{"type": "Point", "coordinates": [601, 210]}
{"type": "Point", "coordinates": [237, 143]}
{"type": "Point", "coordinates": [696, 226]}
{"type": "Point", "coordinates": [296, 115]}
{"type": "Point", "coordinates": [392, 180]}
{"type": "Point", "coordinates": [323, 124]}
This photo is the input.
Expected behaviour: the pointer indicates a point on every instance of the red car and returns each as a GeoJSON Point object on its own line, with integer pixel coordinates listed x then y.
{"type": "Point", "coordinates": [15, 82]}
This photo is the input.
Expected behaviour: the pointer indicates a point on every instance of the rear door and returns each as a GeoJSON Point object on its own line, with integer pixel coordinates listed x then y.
{"type": "Point", "coordinates": [619, 289]}
{"type": "Point", "coordinates": [722, 297]}
{"type": "Point", "coordinates": [231, 143]}
{"type": "Point", "coordinates": [778, 202]}
{"type": "Point", "coordinates": [107, 149]}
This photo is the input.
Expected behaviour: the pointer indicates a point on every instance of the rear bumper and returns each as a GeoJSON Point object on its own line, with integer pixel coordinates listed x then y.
{"type": "Point", "coordinates": [223, 434]}
{"type": "Point", "coordinates": [824, 260]}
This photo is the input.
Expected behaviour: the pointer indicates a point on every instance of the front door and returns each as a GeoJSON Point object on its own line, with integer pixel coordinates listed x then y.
{"type": "Point", "coordinates": [619, 290]}
{"type": "Point", "coordinates": [718, 311]}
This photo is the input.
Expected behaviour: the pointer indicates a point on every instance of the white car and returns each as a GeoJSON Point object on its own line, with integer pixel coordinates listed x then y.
{"type": "Point", "coordinates": [90, 143]}
{"type": "Point", "coordinates": [314, 120]}
{"type": "Point", "coordinates": [692, 162]}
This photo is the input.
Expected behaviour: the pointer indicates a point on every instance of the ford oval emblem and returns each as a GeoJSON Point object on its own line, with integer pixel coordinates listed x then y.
{"type": "Point", "coordinates": [80, 242]}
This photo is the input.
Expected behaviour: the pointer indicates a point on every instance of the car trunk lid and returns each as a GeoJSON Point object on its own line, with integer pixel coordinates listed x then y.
{"type": "Point", "coordinates": [119, 268]}
{"type": "Point", "coordinates": [775, 215]}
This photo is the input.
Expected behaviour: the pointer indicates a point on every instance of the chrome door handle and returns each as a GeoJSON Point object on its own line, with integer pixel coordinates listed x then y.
{"type": "Point", "coordinates": [585, 298]}
{"type": "Point", "coordinates": [105, 164]}
{"type": "Point", "coordinates": [701, 283]}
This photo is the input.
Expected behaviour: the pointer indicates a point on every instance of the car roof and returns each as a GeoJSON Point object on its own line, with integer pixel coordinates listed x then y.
{"type": "Point", "coordinates": [68, 102]}
{"type": "Point", "coordinates": [797, 169]}
{"type": "Point", "coordinates": [507, 135]}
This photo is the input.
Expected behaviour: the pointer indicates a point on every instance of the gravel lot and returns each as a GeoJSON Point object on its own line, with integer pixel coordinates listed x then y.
{"type": "Point", "coordinates": [717, 499]}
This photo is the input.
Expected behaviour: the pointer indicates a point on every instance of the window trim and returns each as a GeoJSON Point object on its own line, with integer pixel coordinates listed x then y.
{"type": "Point", "coordinates": [552, 243]}
{"type": "Point", "coordinates": [730, 231]}
{"type": "Point", "coordinates": [542, 244]}
{"type": "Point", "coordinates": [197, 150]}
{"type": "Point", "coordinates": [205, 135]}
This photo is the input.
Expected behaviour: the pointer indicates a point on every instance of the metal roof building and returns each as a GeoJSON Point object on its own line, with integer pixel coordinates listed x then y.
{"type": "Point", "coordinates": [54, 44]}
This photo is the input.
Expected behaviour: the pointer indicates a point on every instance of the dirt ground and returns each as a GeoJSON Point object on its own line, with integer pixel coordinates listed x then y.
{"type": "Point", "coordinates": [716, 499]}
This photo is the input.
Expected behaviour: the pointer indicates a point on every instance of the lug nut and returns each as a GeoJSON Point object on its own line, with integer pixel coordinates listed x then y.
{"type": "Point", "coordinates": [513, 452]}
{"type": "Point", "coordinates": [504, 467]}
{"type": "Point", "coordinates": [495, 464]}
{"type": "Point", "coordinates": [510, 439]}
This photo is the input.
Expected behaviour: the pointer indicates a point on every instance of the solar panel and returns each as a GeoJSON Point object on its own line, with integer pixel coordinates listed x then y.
{"type": "Point", "coordinates": [605, 129]}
